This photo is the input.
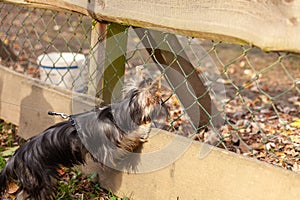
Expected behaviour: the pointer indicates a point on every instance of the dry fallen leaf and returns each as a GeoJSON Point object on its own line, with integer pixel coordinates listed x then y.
{"type": "Point", "coordinates": [257, 146]}
{"type": "Point", "coordinates": [12, 188]}
{"type": "Point", "coordinates": [61, 171]}
{"type": "Point", "coordinates": [296, 123]}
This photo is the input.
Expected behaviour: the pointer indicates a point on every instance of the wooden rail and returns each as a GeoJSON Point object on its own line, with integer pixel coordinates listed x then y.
{"type": "Point", "coordinates": [270, 25]}
{"type": "Point", "coordinates": [26, 102]}
{"type": "Point", "coordinates": [200, 172]}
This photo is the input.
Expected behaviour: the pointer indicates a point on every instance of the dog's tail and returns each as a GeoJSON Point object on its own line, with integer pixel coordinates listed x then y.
{"type": "Point", "coordinates": [6, 176]}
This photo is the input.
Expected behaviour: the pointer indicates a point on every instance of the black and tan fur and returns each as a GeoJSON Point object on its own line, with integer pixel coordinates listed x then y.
{"type": "Point", "coordinates": [107, 133]}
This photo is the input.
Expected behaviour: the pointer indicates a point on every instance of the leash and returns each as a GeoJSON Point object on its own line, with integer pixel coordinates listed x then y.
{"type": "Point", "coordinates": [63, 116]}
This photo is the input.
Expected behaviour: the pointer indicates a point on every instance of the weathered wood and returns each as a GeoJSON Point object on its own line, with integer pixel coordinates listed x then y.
{"type": "Point", "coordinates": [29, 104]}
{"type": "Point", "coordinates": [165, 51]}
{"type": "Point", "coordinates": [37, 5]}
{"type": "Point", "coordinates": [200, 172]}
{"type": "Point", "coordinates": [115, 57]}
{"type": "Point", "coordinates": [106, 69]}
{"type": "Point", "coordinates": [97, 55]}
{"type": "Point", "coordinates": [25, 102]}
{"type": "Point", "coordinates": [270, 25]}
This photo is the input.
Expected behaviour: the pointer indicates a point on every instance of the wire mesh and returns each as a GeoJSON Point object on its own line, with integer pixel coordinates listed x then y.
{"type": "Point", "coordinates": [233, 96]}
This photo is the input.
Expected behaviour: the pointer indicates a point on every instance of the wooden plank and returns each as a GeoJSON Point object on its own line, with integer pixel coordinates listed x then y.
{"type": "Point", "coordinates": [107, 63]}
{"type": "Point", "coordinates": [115, 58]}
{"type": "Point", "coordinates": [181, 70]}
{"type": "Point", "coordinates": [29, 104]}
{"type": "Point", "coordinates": [37, 5]}
{"type": "Point", "coordinates": [270, 25]}
{"type": "Point", "coordinates": [216, 174]}
{"type": "Point", "coordinates": [97, 55]}
{"type": "Point", "coordinates": [25, 102]}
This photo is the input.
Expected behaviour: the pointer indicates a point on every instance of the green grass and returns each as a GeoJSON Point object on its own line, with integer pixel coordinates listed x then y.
{"type": "Point", "coordinates": [75, 185]}
{"type": "Point", "coordinates": [2, 162]}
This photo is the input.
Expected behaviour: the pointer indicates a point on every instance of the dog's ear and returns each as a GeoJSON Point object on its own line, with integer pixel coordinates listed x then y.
{"type": "Point", "coordinates": [137, 83]}
{"type": "Point", "coordinates": [155, 87]}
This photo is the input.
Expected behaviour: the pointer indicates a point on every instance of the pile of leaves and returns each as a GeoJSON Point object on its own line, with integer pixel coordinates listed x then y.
{"type": "Point", "coordinates": [254, 127]}
{"type": "Point", "coordinates": [73, 184]}
{"type": "Point", "coordinates": [265, 130]}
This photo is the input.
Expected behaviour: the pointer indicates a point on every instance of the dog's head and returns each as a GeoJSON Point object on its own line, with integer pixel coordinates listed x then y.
{"type": "Point", "coordinates": [111, 132]}
{"type": "Point", "coordinates": [134, 114]}
{"type": "Point", "coordinates": [144, 101]}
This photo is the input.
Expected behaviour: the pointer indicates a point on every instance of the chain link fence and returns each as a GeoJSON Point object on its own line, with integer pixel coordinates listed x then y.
{"type": "Point", "coordinates": [233, 96]}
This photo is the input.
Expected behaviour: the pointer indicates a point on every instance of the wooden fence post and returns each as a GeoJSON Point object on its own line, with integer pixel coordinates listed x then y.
{"type": "Point", "coordinates": [115, 58]}
{"type": "Point", "coordinates": [107, 63]}
{"type": "Point", "coordinates": [97, 52]}
{"type": "Point", "coordinates": [194, 90]}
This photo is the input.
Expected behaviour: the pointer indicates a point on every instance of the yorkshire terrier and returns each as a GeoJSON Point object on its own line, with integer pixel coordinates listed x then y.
{"type": "Point", "coordinates": [107, 133]}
